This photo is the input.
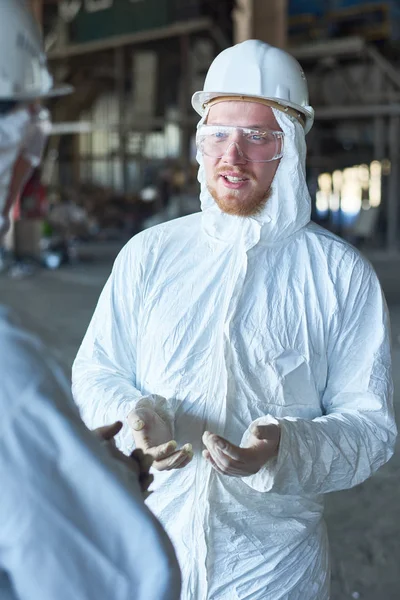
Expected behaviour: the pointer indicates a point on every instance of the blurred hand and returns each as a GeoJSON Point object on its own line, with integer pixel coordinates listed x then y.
{"type": "Point", "coordinates": [138, 462]}
{"type": "Point", "coordinates": [154, 436]}
{"type": "Point", "coordinates": [228, 459]}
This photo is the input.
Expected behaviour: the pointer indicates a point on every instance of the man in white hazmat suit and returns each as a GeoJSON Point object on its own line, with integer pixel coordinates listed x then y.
{"type": "Point", "coordinates": [73, 523]}
{"type": "Point", "coordinates": [251, 330]}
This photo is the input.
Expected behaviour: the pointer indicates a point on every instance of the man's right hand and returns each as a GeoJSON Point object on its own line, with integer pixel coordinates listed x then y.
{"type": "Point", "coordinates": [154, 436]}
{"type": "Point", "coordinates": [138, 462]}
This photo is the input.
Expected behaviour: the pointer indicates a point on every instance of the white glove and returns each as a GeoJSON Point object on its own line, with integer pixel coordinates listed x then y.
{"type": "Point", "coordinates": [228, 459]}
{"type": "Point", "coordinates": [153, 434]}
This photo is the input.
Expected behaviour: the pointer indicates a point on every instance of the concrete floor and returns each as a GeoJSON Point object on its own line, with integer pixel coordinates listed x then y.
{"type": "Point", "coordinates": [363, 523]}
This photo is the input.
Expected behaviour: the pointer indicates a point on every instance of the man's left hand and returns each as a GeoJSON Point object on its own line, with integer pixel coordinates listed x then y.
{"type": "Point", "coordinates": [228, 459]}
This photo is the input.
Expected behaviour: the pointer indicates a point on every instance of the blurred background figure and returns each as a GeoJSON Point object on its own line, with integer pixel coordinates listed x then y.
{"type": "Point", "coordinates": [29, 148]}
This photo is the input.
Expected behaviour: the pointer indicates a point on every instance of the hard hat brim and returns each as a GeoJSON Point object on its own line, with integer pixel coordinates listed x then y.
{"type": "Point", "coordinates": [200, 99]}
{"type": "Point", "coordinates": [53, 92]}
{"type": "Point", "coordinates": [60, 90]}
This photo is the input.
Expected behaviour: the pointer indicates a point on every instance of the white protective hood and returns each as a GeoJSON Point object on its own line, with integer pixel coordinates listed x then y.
{"type": "Point", "coordinates": [287, 210]}
{"type": "Point", "coordinates": [237, 321]}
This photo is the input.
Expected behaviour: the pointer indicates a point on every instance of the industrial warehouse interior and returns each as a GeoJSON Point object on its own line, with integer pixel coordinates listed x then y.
{"type": "Point", "coordinates": [121, 159]}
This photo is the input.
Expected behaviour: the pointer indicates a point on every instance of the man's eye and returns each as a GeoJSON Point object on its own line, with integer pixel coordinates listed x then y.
{"type": "Point", "coordinates": [256, 137]}
{"type": "Point", "coordinates": [219, 135]}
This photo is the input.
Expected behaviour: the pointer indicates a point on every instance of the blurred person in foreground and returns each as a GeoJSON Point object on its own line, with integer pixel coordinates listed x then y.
{"type": "Point", "coordinates": [24, 127]}
{"type": "Point", "coordinates": [252, 334]}
{"type": "Point", "coordinates": [73, 523]}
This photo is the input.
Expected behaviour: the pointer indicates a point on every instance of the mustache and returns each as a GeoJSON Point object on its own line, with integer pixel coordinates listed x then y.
{"type": "Point", "coordinates": [235, 173]}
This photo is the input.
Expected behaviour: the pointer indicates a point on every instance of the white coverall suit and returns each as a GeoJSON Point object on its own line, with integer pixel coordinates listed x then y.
{"type": "Point", "coordinates": [237, 321]}
{"type": "Point", "coordinates": [73, 525]}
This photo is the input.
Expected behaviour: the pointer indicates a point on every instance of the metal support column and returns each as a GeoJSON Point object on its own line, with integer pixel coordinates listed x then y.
{"type": "Point", "coordinates": [37, 9]}
{"type": "Point", "coordinates": [120, 75]}
{"type": "Point", "coordinates": [184, 98]}
{"type": "Point", "coordinates": [380, 139]}
{"type": "Point", "coordinates": [259, 19]}
{"type": "Point", "coordinates": [393, 192]}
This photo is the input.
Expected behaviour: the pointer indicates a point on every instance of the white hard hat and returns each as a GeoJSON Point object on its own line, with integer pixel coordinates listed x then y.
{"type": "Point", "coordinates": [254, 69]}
{"type": "Point", "coordinates": [23, 68]}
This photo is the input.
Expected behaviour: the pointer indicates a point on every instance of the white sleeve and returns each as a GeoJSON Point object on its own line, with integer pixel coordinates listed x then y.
{"type": "Point", "coordinates": [72, 521]}
{"type": "Point", "coordinates": [104, 371]}
{"type": "Point", "coordinates": [357, 433]}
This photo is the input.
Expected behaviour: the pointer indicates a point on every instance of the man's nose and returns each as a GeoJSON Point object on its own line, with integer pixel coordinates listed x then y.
{"type": "Point", "coordinates": [233, 155]}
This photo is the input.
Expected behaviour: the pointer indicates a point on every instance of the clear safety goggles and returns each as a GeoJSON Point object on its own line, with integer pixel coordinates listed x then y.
{"type": "Point", "coordinates": [254, 145]}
